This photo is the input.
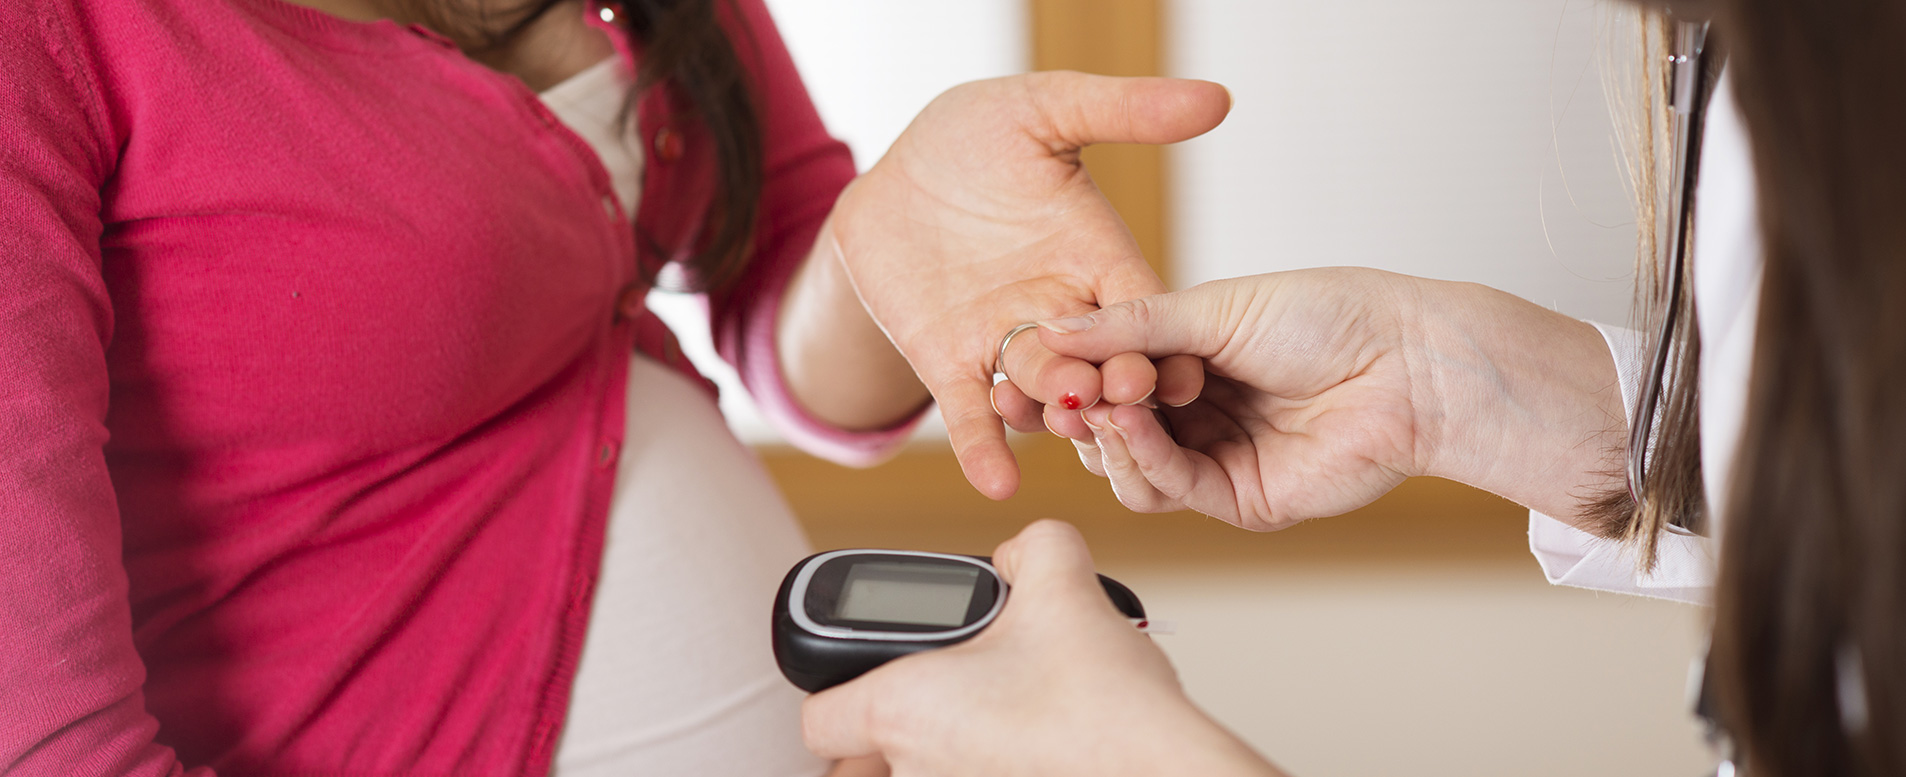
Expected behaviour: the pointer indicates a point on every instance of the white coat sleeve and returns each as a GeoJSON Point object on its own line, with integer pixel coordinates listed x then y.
{"type": "Point", "coordinates": [1684, 570]}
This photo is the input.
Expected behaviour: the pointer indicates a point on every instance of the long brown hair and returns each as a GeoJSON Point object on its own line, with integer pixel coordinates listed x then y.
{"type": "Point", "coordinates": [687, 51]}
{"type": "Point", "coordinates": [1809, 648]}
{"type": "Point", "coordinates": [1810, 621]}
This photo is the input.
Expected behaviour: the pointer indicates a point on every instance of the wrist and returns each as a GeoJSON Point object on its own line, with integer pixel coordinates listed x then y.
{"type": "Point", "coordinates": [1512, 397]}
{"type": "Point", "coordinates": [839, 366]}
{"type": "Point", "coordinates": [1199, 745]}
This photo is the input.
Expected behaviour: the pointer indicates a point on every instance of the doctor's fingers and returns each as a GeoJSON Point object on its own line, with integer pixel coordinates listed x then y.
{"type": "Point", "coordinates": [1199, 477]}
{"type": "Point", "coordinates": [1089, 456]}
{"type": "Point", "coordinates": [1199, 321]}
{"type": "Point", "coordinates": [901, 708]}
{"type": "Point", "coordinates": [1129, 482]}
{"type": "Point", "coordinates": [840, 721]}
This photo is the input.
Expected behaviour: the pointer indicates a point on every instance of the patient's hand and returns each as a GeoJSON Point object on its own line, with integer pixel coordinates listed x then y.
{"type": "Point", "coordinates": [980, 218]}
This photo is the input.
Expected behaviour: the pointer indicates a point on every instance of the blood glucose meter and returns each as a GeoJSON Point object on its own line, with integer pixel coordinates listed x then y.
{"type": "Point", "coordinates": [844, 612]}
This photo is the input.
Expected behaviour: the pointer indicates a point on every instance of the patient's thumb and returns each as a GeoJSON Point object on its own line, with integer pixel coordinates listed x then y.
{"type": "Point", "coordinates": [1082, 109]}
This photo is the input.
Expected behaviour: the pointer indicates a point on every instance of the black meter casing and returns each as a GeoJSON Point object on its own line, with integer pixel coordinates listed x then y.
{"type": "Point", "coordinates": [833, 620]}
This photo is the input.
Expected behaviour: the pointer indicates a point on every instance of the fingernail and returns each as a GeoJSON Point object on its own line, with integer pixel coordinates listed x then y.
{"type": "Point", "coordinates": [1068, 326]}
{"type": "Point", "coordinates": [1186, 402]}
{"type": "Point", "coordinates": [1088, 422]}
{"type": "Point", "coordinates": [1114, 424]}
{"type": "Point", "coordinates": [1055, 432]}
{"type": "Point", "coordinates": [1147, 399]}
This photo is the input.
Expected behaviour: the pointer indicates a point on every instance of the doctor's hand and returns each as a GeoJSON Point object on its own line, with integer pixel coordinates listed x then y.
{"type": "Point", "coordinates": [1060, 684]}
{"type": "Point", "coordinates": [981, 218]}
{"type": "Point", "coordinates": [1330, 387]}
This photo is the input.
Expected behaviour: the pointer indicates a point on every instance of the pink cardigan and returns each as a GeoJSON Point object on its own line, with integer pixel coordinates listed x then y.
{"type": "Point", "coordinates": [313, 338]}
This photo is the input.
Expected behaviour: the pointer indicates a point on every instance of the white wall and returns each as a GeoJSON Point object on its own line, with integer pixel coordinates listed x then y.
{"type": "Point", "coordinates": [873, 64]}
{"type": "Point", "coordinates": [870, 65]}
{"type": "Point", "coordinates": [1459, 139]}
{"type": "Point", "coordinates": [1431, 669]}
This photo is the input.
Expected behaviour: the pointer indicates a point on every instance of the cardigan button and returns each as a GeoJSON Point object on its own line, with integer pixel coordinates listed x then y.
{"type": "Point", "coordinates": [669, 145]}
{"type": "Point", "coordinates": [605, 458]}
{"type": "Point", "coordinates": [631, 303]}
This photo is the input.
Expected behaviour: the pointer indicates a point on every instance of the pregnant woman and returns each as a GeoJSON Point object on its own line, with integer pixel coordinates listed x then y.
{"type": "Point", "coordinates": [338, 437]}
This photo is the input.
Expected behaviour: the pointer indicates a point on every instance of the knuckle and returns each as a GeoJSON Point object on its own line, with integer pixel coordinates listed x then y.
{"type": "Point", "coordinates": [1135, 493]}
{"type": "Point", "coordinates": [1141, 312]}
{"type": "Point", "coordinates": [1141, 503]}
{"type": "Point", "coordinates": [1264, 519]}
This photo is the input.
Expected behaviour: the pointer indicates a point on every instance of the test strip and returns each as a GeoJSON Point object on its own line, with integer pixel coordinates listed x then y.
{"type": "Point", "coordinates": [1154, 626]}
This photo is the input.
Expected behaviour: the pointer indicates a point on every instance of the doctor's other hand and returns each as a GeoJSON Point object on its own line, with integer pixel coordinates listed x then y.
{"type": "Point", "coordinates": [1329, 387]}
{"type": "Point", "coordinates": [1060, 684]}
{"type": "Point", "coordinates": [981, 218]}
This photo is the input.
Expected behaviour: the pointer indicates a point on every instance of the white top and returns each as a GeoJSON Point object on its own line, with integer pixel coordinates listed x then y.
{"type": "Point", "coordinates": [677, 675]}
{"type": "Point", "coordinates": [1727, 273]}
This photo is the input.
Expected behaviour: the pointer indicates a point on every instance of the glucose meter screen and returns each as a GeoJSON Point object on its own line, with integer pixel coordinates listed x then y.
{"type": "Point", "coordinates": [907, 593]}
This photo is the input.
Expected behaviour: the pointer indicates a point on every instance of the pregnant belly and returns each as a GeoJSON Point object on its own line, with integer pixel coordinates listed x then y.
{"type": "Point", "coordinates": [677, 677]}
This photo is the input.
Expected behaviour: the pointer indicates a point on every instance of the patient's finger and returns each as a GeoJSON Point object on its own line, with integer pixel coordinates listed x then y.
{"type": "Point", "coordinates": [1049, 378]}
{"type": "Point", "coordinates": [1020, 411]}
{"type": "Point", "coordinates": [1128, 378]}
{"type": "Point", "coordinates": [978, 438]}
{"type": "Point", "coordinates": [1181, 379]}
{"type": "Point", "coordinates": [1067, 424]}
